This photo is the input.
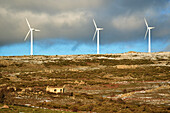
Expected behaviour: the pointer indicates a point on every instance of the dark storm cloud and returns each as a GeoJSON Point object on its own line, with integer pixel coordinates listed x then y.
{"type": "Point", "coordinates": [122, 20]}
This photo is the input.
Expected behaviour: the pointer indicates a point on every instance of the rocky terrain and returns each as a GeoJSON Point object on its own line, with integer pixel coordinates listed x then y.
{"type": "Point", "coordinates": [127, 82]}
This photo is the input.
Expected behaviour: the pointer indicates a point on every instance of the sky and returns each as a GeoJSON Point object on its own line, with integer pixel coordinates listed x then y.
{"type": "Point", "coordinates": [67, 27]}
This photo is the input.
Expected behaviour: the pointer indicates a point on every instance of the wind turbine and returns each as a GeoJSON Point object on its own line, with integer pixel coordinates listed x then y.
{"type": "Point", "coordinates": [97, 31]}
{"type": "Point", "coordinates": [149, 35]}
{"type": "Point", "coordinates": [31, 30]}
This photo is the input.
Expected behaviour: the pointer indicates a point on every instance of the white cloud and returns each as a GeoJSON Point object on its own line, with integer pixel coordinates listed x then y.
{"type": "Point", "coordinates": [127, 23]}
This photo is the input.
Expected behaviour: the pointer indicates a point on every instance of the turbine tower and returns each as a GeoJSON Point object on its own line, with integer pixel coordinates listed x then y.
{"type": "Point", "coordinates": [31, 30]}
{"type": "Point", "coordinates": [98, 32]}
{"type": "Point", "coordinates": [149, 35]}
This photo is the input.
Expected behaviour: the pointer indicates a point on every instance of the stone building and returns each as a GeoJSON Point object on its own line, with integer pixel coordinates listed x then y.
{"type": "Point", "coordinates": [55, 89]}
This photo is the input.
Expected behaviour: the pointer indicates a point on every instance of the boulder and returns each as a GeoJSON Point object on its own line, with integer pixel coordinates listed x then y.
{"type": "Point", "coordinates": [5, 107]}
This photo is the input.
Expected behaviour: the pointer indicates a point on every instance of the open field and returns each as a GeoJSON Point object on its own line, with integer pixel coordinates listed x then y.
{"type": "Point", "coordinates": [128, 82]}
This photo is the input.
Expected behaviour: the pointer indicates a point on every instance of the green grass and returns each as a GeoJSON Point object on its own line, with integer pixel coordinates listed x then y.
{"type": "Point", "coordinates": [20, 109]}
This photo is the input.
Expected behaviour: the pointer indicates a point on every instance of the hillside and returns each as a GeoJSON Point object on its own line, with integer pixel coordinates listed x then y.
{"type": "Point", "coordinates": [130, 82]}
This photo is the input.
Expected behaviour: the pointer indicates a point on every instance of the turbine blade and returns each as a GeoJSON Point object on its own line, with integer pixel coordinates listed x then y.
{"type": "Point", "coordinates": [94, 23]}
{"type": "Point", "coordinates": [37, 30]}
{"type": "Point", "coordinates": [27, 35]}
{"type": "Point", "coordinates": [146, 22]}
{"type": "Point", "coordinates": [28, 23]}
{"type": "Point", "coordinates": [146, 33]}
{"type": "Point", "coordinates": [94, 35]}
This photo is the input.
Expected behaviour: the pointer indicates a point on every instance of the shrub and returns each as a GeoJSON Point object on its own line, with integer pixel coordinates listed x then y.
{"type": "Point", "coordinates": [88, 107]}
{"type": "Point", "coordinates": [2, 96]}
{"type": "Point", "coordinates": [1, 65]}
{"type": "Point", "coordinates": [124, 91]}
{"type": "Point", "coordinates": [74, 108]}
{"type": "Point", "coordinates": [5, 96]}
{"type": "Point", "coordinates": [112, 94]}
{"type": "Point", "coordinates": [119, 100]}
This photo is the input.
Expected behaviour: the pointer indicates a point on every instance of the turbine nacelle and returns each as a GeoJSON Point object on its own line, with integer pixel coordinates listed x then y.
{"type": "Point", "coordinates": [148, 31]}
{"type": "Point", "coordinates": [35, 29]}
{"type": "Point", "coordinates": [151, 27]}
{"type": "Point", "coordinates": [31, 30]}
{"type": "Point", "coordinates": [99, 29]}
{"type": "Point", "coordinates": [148, 28]}
{"type": "Point", "coordinates": [97, 32]}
